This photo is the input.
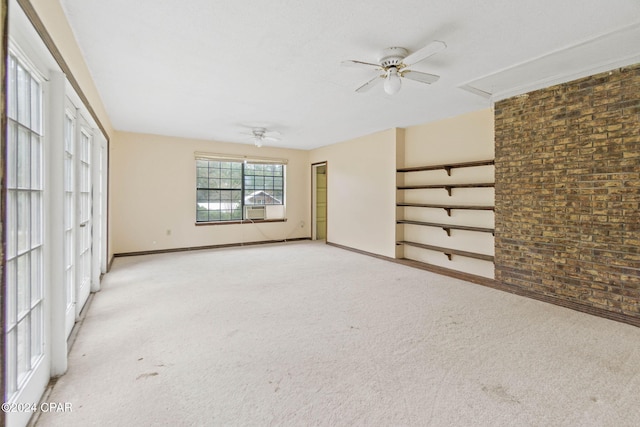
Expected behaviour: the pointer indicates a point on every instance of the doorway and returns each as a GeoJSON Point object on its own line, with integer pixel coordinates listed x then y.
{"type": "Point", "coordinates": [319, 201]}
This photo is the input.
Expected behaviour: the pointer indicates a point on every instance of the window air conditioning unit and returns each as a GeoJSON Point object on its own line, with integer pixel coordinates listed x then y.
{"type": "Point", "coordinates": [255, 212]}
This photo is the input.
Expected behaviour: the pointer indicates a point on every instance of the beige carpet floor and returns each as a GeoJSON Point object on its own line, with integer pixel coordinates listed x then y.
{"type": "Point", "coordinates": [302, 334]}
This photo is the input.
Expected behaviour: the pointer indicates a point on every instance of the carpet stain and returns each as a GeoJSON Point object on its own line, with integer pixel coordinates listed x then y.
{"type": "Point", "coordinates": [500, 393]}
{"type": "Point", "coordinates": [147, 375]}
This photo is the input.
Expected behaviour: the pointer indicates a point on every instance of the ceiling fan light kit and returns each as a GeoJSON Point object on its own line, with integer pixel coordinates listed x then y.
{"type": "Point", "coordinates": [394, 66]}
{"type": "Point", "coordinates": [392, 83]}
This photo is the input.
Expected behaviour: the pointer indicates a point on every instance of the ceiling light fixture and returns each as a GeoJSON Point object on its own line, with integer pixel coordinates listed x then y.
{"type": "Point", "coordinates": [392, 83]}
{"type": "Point", "coordinates": [260, 135]}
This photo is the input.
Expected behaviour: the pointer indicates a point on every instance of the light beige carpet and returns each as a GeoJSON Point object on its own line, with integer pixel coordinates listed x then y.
{"type": "Point", "coordinates": [307, 334]}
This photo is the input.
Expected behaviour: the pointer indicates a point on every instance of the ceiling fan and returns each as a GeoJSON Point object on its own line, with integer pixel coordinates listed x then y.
{"type": "Point", "coordinates": [394, 66]}
{"type": "Point", "coordinates": [259, 135]}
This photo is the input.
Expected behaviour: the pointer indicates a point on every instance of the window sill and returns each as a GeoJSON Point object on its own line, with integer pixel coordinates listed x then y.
{"type": "Point", "coordinates": [244, 221]}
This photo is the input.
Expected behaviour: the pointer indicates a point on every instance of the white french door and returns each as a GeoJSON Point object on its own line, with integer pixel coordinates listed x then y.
{"type": "Point", "coordinates": [84, 215]}
{"type": "Point", "coordinates": [69, 220]}
{"type": "Point", "coordinates": [78, 214]}
{"type": "Point", "coordinates": [27, 370]}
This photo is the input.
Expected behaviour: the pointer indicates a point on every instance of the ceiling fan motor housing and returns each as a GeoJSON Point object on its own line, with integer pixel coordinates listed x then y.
{"type": "Point", "coordinates": [393, 56]}
{"type": "Point", "coordinates": [259, 132]}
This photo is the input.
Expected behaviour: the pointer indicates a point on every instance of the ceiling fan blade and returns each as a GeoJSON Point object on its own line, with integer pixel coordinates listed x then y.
{"type": "Point", "coordinates": [368, 85]}
{"type": "Point", "coordinates": [360, 64]}
{"type": "Point", "coordinates": [270, 139]}
{"type": "Point", "coordinates": [420, 77]}
{"type": "Point", "coordinates": [421, 54]}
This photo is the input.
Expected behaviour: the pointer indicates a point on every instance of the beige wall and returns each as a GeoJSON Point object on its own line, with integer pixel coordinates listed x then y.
{"type": "Point", "coordinates": [462, 138]}
{"type": "Point", "coordinates": [361, 192]}
{"type": "Point", "coordinates": [468, 137]}
{"type": "Point", "coordinates": [153, 190]}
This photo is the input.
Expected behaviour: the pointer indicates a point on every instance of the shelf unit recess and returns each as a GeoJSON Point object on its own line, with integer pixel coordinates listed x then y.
{"type": "Point", "coordinates": [447, 187]}
{"type": "Point", "coordinates": [449, 252]}
{"type": "Point", "coordinates": [448, 167]}
{"type": "Point", "coordinates": [447, 227]}
{"type": "Point", "coordinates": [447, 208]}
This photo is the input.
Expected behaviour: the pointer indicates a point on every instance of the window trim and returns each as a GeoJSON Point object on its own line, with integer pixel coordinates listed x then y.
{"type": "Point", "coordinates": [236, 222]}
{"type": "Point", "coordinates": [199, 155]}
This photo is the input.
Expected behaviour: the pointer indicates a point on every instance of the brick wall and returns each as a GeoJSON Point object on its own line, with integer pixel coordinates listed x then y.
{"type": "Point", "coordinates": [567, 204]}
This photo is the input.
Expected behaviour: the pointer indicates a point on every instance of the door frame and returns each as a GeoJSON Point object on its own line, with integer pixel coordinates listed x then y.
{"type": "Point", "coordinates": [314, 168]}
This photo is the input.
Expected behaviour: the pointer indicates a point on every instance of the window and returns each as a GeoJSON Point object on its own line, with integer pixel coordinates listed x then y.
{"type": "Point", "coordinates": [224, 187]}
{"type": "Point", "coordinates": [25, 218]}
{"type": "Point", "coordinates": [263, 184]}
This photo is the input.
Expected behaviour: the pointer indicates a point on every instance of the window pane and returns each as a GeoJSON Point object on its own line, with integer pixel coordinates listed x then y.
{"type": "Point", "coordinates": [68, 262]}
{"type": "Point", "coordinates": [202, 196]}
{"type": "Point", "coordinates": [12, 309]}
{"type": "Point", "coordinates": [24, 363]}
{"type": "Point", "coordinates": [24, 220]}
{"type": "Point", "coordinates": [268, 183]}
{"type": "Point", "coordinates": [68, 210]}
{"type": "Point", "coordinates": [12, 223]}
{"type": "Point", "coordinates": [36, 275]}
{"type": "Point", "coordinates": [36, 334]}
{"type": "Point", "coordinates": [12, 344]}
{"type": "Point", "coordinates": [22, 284]}
{"type": "Point", "coordinates": [36, 164]}
{"type": "Point", "coordinates": [85, 207]}
{"type": "Point", "coordinates": [24, 84]}
{"type": "Point", "coordinates": [35, 107]}
{"type": "Point", "coordinates": [68, 173]}
{"type": "Point", "coordinates": [12, 158]}
{"type": "Point", "coordinates": [68, 244]}
{"type": "Point", "coordinates": [203, 214]}
{"type": "Point", "coordinates": [68, 134]}
{"type": "Point", "coordinates": [36, 219]}
{"type": "Point", "coordinates": [12, 103]}
{"type": "Point", "coordinates": [24, 158]}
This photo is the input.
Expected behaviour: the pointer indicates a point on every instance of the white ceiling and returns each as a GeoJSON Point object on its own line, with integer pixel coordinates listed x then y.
{"type": "Point", "coordinates": [207, 69]}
